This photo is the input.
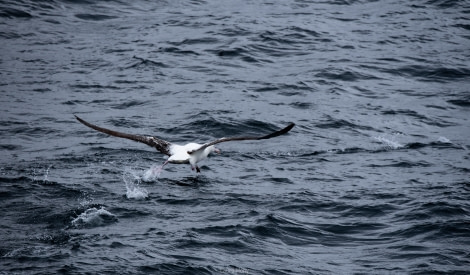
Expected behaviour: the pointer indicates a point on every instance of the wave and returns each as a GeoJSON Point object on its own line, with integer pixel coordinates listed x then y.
{"type": "Point", "coordinates": [463, 101]}
{"type": "Point", "coordinates": [95, 17]}
{"type": "Point", "coordinates": [238, 52]}
{"type": "Point", "coordinates": [432, 74]}
{"type": "Point", "coordinates": [147, 63]}
{"type": "Point", "coordinates": [389, 143]}
{"type": "Point", "coordinates": [332, 123]}
{"type": "Point", "coordinates": [345, 75]}
{"type": "Point", "coordinates": [177, 267]}
{"type": "Point", "coordinates": [14, 13]}
{"type": "Point", "coordinates": [94, 217]}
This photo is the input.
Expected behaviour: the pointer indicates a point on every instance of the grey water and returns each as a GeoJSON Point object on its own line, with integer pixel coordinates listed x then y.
{"type": "Point", "coordinates": [373, 179]}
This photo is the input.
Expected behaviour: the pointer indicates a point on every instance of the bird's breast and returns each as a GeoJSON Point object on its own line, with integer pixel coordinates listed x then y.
{"type": "Point", "coordinates": [179, 161]}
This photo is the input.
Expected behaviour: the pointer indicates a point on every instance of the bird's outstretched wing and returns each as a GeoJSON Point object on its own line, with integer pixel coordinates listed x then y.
{"type": "Point", "coordinates": [225, 139]}
{"type": "Point", "coordinates": [161, 145]}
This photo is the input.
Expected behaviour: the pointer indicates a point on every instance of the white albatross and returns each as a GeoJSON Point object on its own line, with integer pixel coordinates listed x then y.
{"type": "Point", "coordinates": [191, 153]}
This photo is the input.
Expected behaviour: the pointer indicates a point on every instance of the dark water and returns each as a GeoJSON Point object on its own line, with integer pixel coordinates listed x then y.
{"type": "Point", "coordinates": [374, 179]}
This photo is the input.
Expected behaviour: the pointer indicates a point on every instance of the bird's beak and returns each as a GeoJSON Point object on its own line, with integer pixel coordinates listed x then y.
{"type": "Point", "coordinates": [217, 150]}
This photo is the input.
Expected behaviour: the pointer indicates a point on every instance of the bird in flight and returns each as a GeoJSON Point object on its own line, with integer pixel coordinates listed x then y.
{"type": "Point", "coordinates": [191, 153]}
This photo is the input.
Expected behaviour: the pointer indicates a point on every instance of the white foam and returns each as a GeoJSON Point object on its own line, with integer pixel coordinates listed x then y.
{"type": "Point", "coordinates": [93, 217]}
{"type": "Point", "coordinates": [444, 140]}
{"type": "Point", "coordinates": [389, 143]}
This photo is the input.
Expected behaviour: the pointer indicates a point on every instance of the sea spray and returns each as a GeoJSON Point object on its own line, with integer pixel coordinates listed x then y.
{"type": "Point", "coordinates": [389, 142]}
{"type": "Point", "coordinates": [133, 189]}
{"type": "Point", "coordinates": [152, 173]}
{"type": "Point", "coordinates": [44, 173]}
{"type": "Point", "coordinates": [94, 217]}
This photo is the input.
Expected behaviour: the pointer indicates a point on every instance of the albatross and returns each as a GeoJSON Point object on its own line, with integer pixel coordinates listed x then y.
{"type": "Point", "coordinates": [191, 153]}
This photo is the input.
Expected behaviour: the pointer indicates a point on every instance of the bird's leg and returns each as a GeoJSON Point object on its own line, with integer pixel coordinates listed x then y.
{"type": "Point", "coordinates": [153, 172]}
{"type": "Point", "coordinates": [160, 169]}
{"type": "Point", "coordinates": [196, 167]}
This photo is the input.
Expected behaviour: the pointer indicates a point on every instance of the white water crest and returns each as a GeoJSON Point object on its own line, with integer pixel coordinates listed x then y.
{"type": "Point", "coordinates": [444, 140]}
{"type": "Point", "coordinates": [94, 217]}
{"type": "Point", "coordinates": [389, 142]}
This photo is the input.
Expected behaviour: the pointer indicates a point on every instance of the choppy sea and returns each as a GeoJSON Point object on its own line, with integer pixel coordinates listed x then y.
{"type": "Point", "coordinates": [374, 178]}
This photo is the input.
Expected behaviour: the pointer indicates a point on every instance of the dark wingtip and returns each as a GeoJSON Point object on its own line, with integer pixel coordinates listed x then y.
{"type": "Point", "coordinates": [288, 128]}
{"type": "Point", "coordinates": [79, 119]}
{"type": "Point", "coordinates": [280, 132]}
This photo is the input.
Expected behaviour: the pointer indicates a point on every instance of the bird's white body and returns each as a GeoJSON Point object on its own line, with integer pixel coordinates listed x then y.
{"type": "Point", "coordinates": [180, 155]}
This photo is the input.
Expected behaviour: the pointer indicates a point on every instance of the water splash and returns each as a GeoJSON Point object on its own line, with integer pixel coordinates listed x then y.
{"type": "Point", "coordinates": [390, 143]}
{"type": "Point", "coordinates": [93, 218]}
{"type": "Point", "coordinates": [133, 188]}
{"type": "Point", "coordinates": [46, 174]}
{"type": "Point", "coordinates": [37, 173]}
{"type": "Point", "coordinates": [153, 173]}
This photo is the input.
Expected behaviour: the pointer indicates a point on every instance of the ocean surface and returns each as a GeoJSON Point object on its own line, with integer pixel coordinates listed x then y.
{"type": "Point", "coordinates": [373, 179]}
